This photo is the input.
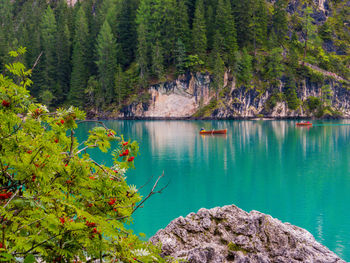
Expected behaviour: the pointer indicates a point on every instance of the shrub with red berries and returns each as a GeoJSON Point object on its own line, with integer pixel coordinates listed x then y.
{"type": "Point", "coordinates": [61, 205]}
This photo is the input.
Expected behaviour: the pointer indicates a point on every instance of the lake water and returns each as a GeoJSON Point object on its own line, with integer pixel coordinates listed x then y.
{"type": "Point", "coordinates": [298, 175]}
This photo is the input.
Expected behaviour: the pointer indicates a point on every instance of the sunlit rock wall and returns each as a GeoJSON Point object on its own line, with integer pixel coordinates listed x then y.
{"type": "Point", "coordinates": [183, 97]}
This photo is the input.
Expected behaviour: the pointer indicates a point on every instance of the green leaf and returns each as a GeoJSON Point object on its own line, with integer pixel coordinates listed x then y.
{"type": "Point", "coordinates": [5, 256]}
{"type": "Point", "coordinates": [29, 259]}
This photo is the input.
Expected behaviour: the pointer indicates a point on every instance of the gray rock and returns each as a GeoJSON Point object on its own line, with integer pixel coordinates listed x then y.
{"type": "Point", "coordinates": [229, 234]}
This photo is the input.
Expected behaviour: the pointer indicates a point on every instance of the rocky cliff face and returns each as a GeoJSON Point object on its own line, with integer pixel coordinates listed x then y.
{"type": "Point", "coordinates": [186, 95]}
{"type": "Point", "coordinates": [229, 234]}
{"type": "Point", "coordinates": [176, 99]}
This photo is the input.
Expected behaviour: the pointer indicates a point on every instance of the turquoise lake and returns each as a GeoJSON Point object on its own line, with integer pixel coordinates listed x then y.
{"type": "Point", "coordinates": [298, 175]}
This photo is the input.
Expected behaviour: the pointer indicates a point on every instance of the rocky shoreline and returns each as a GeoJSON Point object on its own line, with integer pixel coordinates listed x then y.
{"type": "Point", "coordinates": [191, 96]}
{"type": "Point", "coordinates": [229, 234]}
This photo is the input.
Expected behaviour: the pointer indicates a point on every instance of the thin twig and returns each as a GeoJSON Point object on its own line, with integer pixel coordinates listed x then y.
{"type": "Point", "coordinates": [12, 197]}
{"type": "Point", "coordinates": [152, 192]}
{"type": "Point", "coordinates": [37, 60]}
{"type": "Point", "coordinates": [43, 242]}
{"type": "Point", "coordinates": [29, 224]}
{"type": "Point", "coordinates": [142, 186]}
{"type": "Point", "coordinates": [87, 147]}
{"type": "Point", "coordinates": [99, 122]}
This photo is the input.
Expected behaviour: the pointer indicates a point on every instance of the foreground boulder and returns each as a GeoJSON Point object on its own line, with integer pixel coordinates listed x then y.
{"type": "Point", "coordinates": [229, 234]}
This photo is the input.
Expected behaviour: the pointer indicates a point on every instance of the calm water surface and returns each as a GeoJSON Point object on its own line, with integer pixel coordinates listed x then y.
{"type": "Point", "coordinates": [298, 175]}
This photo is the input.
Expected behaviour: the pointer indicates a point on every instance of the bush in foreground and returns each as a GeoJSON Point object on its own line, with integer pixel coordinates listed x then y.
{"type": "Point", "coordinates": [56, 202]}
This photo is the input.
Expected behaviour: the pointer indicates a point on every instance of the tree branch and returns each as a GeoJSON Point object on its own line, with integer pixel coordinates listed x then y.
{"type": "Point", "coordinates": [152, 192]}
{"type": "Point", "coordinates": [37, 60]}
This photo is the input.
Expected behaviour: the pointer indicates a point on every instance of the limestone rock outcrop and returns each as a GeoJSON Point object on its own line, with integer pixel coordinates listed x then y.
{"type": "Point", "coordinates": [183, 97]}
{"type": "Point", "coordinates": [229, 234]}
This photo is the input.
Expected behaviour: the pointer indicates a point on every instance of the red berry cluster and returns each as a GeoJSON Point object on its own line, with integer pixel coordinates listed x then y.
{"type": "Point", "coordinates": [33, 177]}
{"type": "Point", "coordinates": [112, 201]}
{"type": "Point", "coordinates": [110, 134]}
{"type": "Point", "coordinates": [60, 122]}
{"type": "Point", "coordinates": [125, 153]}
{"type": "Point", "coordinates": [5, 195]}
{"type": "Point", "coordinates": [125, 143]}
{"type": "Point", "coordinates": [5, 103]}
{"type": "Point", "coordinates": [62, 220]}
{"type": "Point", "coordinates": [90, 224]}
{"type": "Point", "coordinates": [131, 159]}
{"type": "Point", "coordinates": [37, 113]}
{"type": "Point", "coordinates": [2, 245]}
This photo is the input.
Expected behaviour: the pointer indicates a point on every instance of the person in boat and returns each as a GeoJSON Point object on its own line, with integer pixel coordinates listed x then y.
{"type": "Point", "coordinates": [202, 129]}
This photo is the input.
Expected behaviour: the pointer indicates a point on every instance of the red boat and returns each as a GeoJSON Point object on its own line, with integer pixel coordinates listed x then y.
{"type": "Point", "coordinates": [213, 132]}
{"type": "Point", "coordinates": [304, 124]}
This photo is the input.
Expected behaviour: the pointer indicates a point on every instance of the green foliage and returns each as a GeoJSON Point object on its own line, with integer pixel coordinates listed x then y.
{"type": "Point", "coordinates": [158, 61]}
{"type": "Point", "coordinates": [244, 67]}
{"type": "Point", "coordinates": [193, 63]}
{"type": "Point", "coordinates": [218, 72]}
{"type": "Point", "coordinates": [126, 30]}
{"type": "Point", "coordinates": [79, 75]}
{"type": "Point", "coordinates": [225, 25]}
{"type": "Point", "coordinates": [107, 62]}
{"type": "Point", "coordinates": [207, 110]}
{"type": "Point", "coordinates": [180, 56]}
{"type": "Point", "coordinates": [280, 21]}
{"type": "Point", "coordinates": [258, 24]}
{"type": "Point", "coordinates": [259, 41]}
{"type": "Point", "coordinates": [327, 94]}
{"type": "Point", "coordinates": [313, 103]}
{"type": "Point", "coordinates": [271, 102]}
{"type": "Point", "coordinates": [274, 68]}
{"type": "Point", "coordinates": [292, 100]}
{"type": "Point", "coordinates": [58, 204]}
{"type": "Point", "coordinates": [46, 97]}
{"type": "Point", "coordinates": [199, 38]}
{"type": "Point", "coordinates": [48, 34]}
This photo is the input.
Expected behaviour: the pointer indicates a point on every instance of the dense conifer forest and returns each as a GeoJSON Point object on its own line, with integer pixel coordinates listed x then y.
{"type": "Point", "coordinates": [105, 53]}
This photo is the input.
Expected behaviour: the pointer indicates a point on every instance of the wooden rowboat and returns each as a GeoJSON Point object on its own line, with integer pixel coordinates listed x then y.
{"type": "Point", "coordinates": [304, 124]}
{"type": "Point", "coordinates": [214, 132]}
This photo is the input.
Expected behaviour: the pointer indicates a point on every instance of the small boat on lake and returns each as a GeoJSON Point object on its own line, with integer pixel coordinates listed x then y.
{"type": "Point", "coordinates": [304, 123]}
{"type": "Point", "coordinates": [202, 131]}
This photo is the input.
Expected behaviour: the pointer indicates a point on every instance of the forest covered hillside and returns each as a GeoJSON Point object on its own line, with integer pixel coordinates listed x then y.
{"type": "Point", "coordinates": [103, 55]}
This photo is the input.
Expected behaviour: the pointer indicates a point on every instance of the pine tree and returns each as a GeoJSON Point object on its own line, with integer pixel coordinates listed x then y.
{"type": "Point", "coordinates": [182, 24]}
{"type": "Point", "coordinates": [226, 26]}
{"type": "Point", "coordinates": [48, 30]}
{"type": "Point", "coordinates": [6, 29]}
{"type": "Point", "coordinates": [259, 24]}
{"type": "Point", "coordinates": [309, 31]}
{"type": "Point", "coordinates": [218, 73]}
{"type": "Point", "coordinates": [166, 18]}
{"type": "Point", "coordinates": [290, 93]}
{"type": "Point", "coordinates": [244, 67]}
{"type": "Point", "coordinates": [80, 72]}
{"type": "Point", "coordinates": [279, 21]}
{"type": "Point", "coordinates": [180, 56]}
{"type": "Point", "coordinates": [199, 39]}
{"type": "Point", "coordinates": [126, 31]}
{"type": "Point", "coordinates": [158, 61]}
{"type": "Point", "coordinates": [120, 85]}
{"type": "Point", "coordinates": [143, 47]}
{"type": "Point", "coordinates": [274, 66]}
{"type": "Point", "coordinates": [243, 13]}
{"type": "Point", "coordinates": [210, 26]}
{"type": "Point", "coordinates": [106, 63]}
{"type": "Point", "coordinates": [63, 46]}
